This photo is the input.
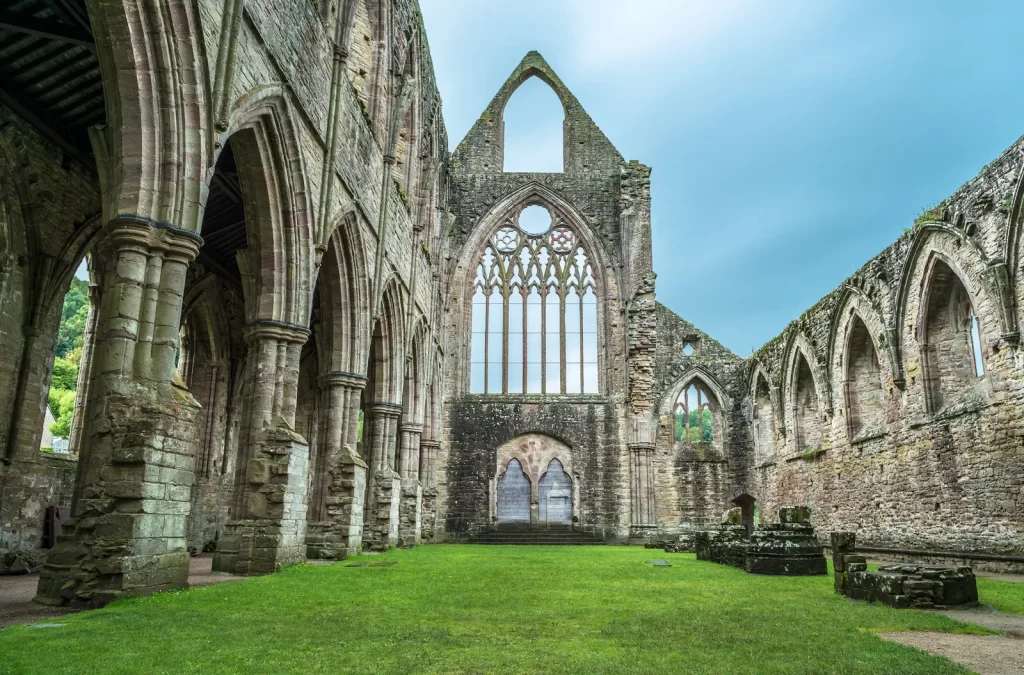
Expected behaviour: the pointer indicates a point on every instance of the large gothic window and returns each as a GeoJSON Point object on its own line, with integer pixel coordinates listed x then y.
{"type": "Point", "coordinates": [534, 310]}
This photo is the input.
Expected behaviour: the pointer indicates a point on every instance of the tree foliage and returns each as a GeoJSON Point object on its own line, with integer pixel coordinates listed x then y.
{"type": "Point", "coordinates": [701, 428]}
{"type": "Point", "coordinates": [73, 318]}
{"type": "Point", "coordinates": [70, 338]}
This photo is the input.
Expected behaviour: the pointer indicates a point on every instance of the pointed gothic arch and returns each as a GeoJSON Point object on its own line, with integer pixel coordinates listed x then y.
{"type": "Point", "coordinates": [277, 266]}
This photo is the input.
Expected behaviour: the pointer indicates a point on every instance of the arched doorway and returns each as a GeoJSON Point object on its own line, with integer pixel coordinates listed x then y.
{"type": "Point", "coordinates": [514, 495]}
{"type": "Point", "coordinates": [555, 498]}
{"type": "Point", "coordinates": [534, 484]}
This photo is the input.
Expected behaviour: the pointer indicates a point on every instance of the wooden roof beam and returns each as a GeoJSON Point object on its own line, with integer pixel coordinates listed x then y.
{"type": "Point", "coordinates": [50, 29]}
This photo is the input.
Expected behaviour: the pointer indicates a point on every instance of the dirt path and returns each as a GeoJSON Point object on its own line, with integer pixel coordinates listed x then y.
{"type": "Point", "coordinates": [16, 593]}
{"type": "Point", "coordinates": [984, 654]}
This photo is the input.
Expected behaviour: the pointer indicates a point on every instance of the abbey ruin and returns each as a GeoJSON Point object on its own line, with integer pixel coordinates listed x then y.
{"type": "Point", "coordinates": [314, 330]}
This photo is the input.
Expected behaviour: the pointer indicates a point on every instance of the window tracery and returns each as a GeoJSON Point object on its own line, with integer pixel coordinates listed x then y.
{"type": "Point", "coordinates": [694, 417]}
{"type": "Point", "coordinates": [534, 317]}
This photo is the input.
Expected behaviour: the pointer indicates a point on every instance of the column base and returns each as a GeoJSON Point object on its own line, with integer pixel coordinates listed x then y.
{"type": "Point", "coordinates": [273, 534]}
{"type": "Point", "coordinates": [251, 547]}
{"type": "Point", "coordinates": [381, 530]}
{"type": "Point", "coordinates": [410, 520]}
{"type": "Point", "coordinates": [129, 537]}
{"type": "Point", "coordinates": [429, 515]}
{"type": "Point", "coordinates": [341, 534]}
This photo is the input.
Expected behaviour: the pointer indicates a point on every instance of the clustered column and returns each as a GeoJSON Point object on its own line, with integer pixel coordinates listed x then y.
{"type": "Point", "coordinates": [385, 486]}
{"type": "Point", "coordinates": [127, 534]}
{"type": "Point", "coordinates": [268, 526]}
{"type": "Point", "coordinates": [410, 511]}
{"type": "Point", "coordinates": [428, 481]}
{"type": "Point", "coordinates": [336, 506]}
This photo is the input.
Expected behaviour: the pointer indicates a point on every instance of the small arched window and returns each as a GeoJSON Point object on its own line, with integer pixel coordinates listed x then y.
{"type": "Point", "coordinates": [694, 418]}
{"type": "Point", "coordinates": [806, 411]}
{"type": "Point", "coordinates": [534, 316]}
{"type": "Point", "coordinates": [864, 394]}
{"type": "Point", "coordinates": [952, 344]}
{"type": "Point", "coordinates": [764, 422]}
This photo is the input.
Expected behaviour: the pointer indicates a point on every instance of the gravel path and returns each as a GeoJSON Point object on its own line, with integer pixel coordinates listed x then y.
{"type": "Point", "coordinates": [984, 654]}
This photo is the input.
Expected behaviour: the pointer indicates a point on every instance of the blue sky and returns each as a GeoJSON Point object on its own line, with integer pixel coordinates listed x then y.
{"type": "Point", "coordinates": [791, 141]}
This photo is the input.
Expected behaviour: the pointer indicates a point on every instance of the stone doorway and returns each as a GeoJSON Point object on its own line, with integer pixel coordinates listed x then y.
{"type": "Point", "coordinates": [513, 495]}
{"type": "Point", "coordinates": [534, 485]}
{"type": "Point", "coordinates": [555, 496]}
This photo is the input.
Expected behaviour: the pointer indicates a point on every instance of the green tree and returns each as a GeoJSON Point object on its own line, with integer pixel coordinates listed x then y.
{"type": "Point", "coordinates": [62, 405]}
{"type": "Point", "coordinates": [73, 318]}
{"type": "Point", "coordinates": [65, 374]}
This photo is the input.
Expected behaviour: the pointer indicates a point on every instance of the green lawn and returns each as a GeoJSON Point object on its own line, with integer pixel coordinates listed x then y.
{"type": "Point", "coordinates": [1003, 595]}
{"type": "Point", "coordinates": [488, 609]}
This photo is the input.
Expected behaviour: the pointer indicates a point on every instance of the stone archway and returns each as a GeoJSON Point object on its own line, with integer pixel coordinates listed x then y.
{"type": "Point", "coordinates": [543, 466]}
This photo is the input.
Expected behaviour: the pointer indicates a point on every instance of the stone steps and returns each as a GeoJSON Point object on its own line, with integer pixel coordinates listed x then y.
{"type": "Point", "coordinates": [538, 538]}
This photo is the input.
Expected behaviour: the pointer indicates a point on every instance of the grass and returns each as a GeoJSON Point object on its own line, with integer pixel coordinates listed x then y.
{"type": "Point", "coordinates": [489, 609]}
{"type": "Point", "coordinates": [1003, 595]}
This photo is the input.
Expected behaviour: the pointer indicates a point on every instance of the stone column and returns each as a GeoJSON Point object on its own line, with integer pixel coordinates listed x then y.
{"type": "Point", "coordinates": [268, 525]}
{"type": "Point", "coordinates": [410, 514]}
{"type": "Point", "coordinates": [428, 479]}
{"type": "Point", "coordinates": [641, 472]}
{"type": "Point", "coordinates": [127, 534]}
{"type": "Point", "coordinates": [380, 531]}
{"type": "Point", "coordinates": [336, 526]}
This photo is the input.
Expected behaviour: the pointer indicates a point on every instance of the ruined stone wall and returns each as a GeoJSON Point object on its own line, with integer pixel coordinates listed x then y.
{"type": "Point", "coordinates": [270, 77]}
{"type": "Point", "coordinates": [45, 201]}
{"type": "Point", "coordinates": [599, 196]}
{"type": "Point", "coordinates": [932, 458]}
{"type": "Point", "coordinates": [694, 479]}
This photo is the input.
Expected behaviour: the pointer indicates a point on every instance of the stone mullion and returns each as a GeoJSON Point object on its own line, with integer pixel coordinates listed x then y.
{"type": "Point", "coordinates": [561, 337]}
{"type": "Point", "coordinates": [487, 337]}
{"type": "Point", "coordinates": [526, 334]}
{"type": "Point", "coordinates": [583, 356]}
{"type": "Point", "coordinates": [504, 341]}
{"type": "Point", "coordinates": [544, 340]}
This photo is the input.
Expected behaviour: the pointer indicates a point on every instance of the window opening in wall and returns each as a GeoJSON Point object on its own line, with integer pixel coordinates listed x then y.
{"type": "Point", "coordinates": [533, 129]}
{"type": "Point", "coordinates": [764, 422]}
{"type": "Point", "coordinates": [67, 363]}
{"type": "Point", "coordinates": [951, 348]}
{"type": "Point", "coordinates": [864, 392]}
{"type": "Point", "coordinates": [534, 313]}
{"type": "Point", "coordinates": [979, 361]}
{"type": "Point", "coordinates": [688, 349]}
{"type": "Point", "coordinates": [694, 419]}
{"type": "Point", "coordinates": [534, 220]}
{"type": "Point", "coordinates": [808, 426]}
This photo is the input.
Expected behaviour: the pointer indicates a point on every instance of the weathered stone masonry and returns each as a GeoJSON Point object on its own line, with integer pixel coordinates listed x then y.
{"type": "Point", "coordinates": [289, 347]}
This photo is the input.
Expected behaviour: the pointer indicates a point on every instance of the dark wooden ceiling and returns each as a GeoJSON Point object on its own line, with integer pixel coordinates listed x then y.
{"type": "Point", "coordinates": [50, 77]}
{"type": "Point", "coordinates": [49, 74]}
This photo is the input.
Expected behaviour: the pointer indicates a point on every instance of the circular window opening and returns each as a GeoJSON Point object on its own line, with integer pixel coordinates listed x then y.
{"type": "Point", "coordinates": [534, 220]}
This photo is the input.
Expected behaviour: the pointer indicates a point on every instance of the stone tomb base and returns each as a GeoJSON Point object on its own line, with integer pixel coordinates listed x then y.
{"type": "Point", "coordinates": [786, 548]}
